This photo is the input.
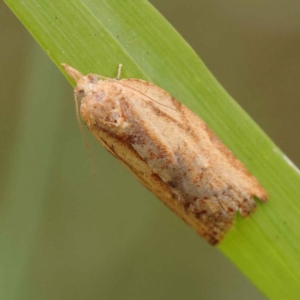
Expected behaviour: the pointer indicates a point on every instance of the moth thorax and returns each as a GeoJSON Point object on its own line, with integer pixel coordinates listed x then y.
{"type": "Point", "coordinates": [103, 108]}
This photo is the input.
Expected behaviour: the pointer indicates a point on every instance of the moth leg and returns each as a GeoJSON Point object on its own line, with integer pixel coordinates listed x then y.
{"type": "Point", "coordinates": [119, 71]}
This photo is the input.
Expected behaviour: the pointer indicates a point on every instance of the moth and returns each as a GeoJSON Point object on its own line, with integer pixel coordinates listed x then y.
{"type": "Point", "coordinates": [169, 149]}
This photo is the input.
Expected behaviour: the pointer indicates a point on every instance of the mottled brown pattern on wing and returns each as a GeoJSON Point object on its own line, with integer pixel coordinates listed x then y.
{"type": "Point", "coordinates": [171, 151]}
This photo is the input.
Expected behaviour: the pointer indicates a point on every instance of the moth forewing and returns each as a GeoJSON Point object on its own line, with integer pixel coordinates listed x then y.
{"type": "Point", "coordinates": [170, 150]}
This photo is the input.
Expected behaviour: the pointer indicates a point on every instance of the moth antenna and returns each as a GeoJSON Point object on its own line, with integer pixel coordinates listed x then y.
{"type": "Point", "coordinates": [119, 71]}
{"type": "Point", "coordinates": [118, 78]}
{"type": "Point", "coordinates": [149, 97]}
{"type": "Point", "coordinates": [102, 77]}
{"type": "Point", "coordinates": [83, 134]}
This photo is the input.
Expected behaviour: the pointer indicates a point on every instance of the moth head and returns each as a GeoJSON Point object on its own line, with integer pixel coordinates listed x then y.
{"type": "Point", "coordinates": [85, 86]}
{"type": "Point", "coordinates": [102, 105]}
{"type": "Point", "coordinates": [84, 83]}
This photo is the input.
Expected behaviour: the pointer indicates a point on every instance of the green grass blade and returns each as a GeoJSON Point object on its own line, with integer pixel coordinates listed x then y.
{"type": "Point", "coordinates": [96, 35]}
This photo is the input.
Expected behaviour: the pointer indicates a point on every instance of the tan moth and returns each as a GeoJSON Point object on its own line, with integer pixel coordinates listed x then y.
{"type": "Point", "coordinates": [169, 149]}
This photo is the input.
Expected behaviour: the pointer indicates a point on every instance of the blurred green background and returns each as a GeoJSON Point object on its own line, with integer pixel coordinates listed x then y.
{"type": "Point", "coordinates": [67, 235]}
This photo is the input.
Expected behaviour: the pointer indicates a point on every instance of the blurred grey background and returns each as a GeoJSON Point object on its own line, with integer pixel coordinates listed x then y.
{"type": "Point", "coordinates": [67, 235]}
